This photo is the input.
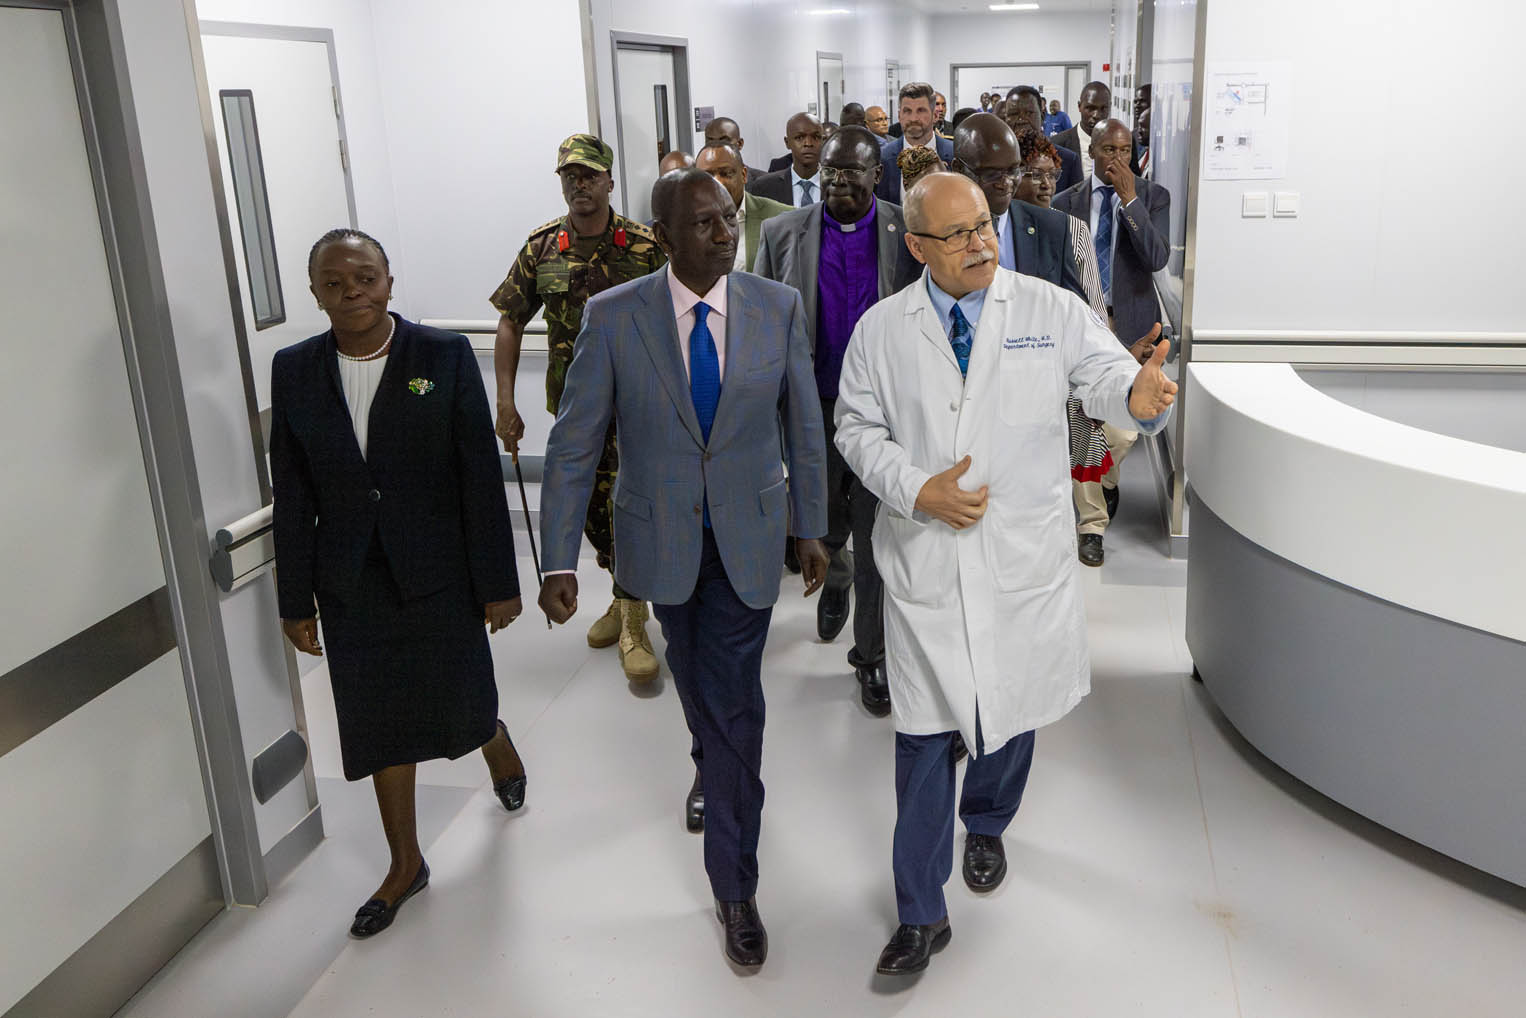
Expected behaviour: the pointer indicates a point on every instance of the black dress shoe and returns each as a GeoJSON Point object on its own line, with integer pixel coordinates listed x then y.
{"type": "Point", "coordinates": [874, 689]}
{"type": "Point", "coordinates": [510, 791]}
{"type": "Point", "coordinates": [1110, 499]}
{"type": "Point", "coordinates": [1090, 549]}
{"type": "Point", "coordinates": [959, 749]}
{"type": "Point", "coordinates": [376, 915]}
{"type": "Point", "coordinates": [985, 862]}
{"type": "Point", "coordinates": [746, 939]}
{"type": "Point", "coordinates": [694, 806]}
{"type": "Point", "coordinates": [912, 947]}
{"type": "Point", "coordinates": [831, 612]}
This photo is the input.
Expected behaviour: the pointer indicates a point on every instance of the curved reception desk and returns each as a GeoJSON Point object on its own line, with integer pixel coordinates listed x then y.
{"type": "Point", "coordinates": [1356, 602]}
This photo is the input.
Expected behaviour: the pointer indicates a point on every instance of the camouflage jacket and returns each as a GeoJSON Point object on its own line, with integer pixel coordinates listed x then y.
{"type": "Point", "coordinates": [563, 280]}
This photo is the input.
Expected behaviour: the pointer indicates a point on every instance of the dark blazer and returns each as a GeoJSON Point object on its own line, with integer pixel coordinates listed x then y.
{"type": "Point", "coordinates": [776, 186]}
{"type": "Point", "coordinates": [791, 253]}
{"type": "Point", "coordinates": [1070, 169]}
{"type": "Point", "coordinates": [1142, 248]}
{"type": "Point", "coordinates": [889, 187]}
{"type": "Point", "coordinates": [1042, 242]}
{"type": "Point", "coordinates": [431, 485]}
{"type": "Point", "coordinates": [1071, 140]}
{"type": "Point", "coordinates": [628, 368]}
{"type": "Point", "coordinates": [780, 163]}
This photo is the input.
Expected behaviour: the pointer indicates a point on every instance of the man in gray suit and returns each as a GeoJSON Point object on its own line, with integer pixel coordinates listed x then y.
{"type": "Point", "coordinates": [844, 255]}
{"type": "Point", "coordinates": [707, 374]}
{"type": "Point", "coordinates": [1130, 220]}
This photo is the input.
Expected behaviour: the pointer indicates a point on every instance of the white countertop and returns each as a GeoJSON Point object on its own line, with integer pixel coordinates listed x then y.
{"type": "Point", "coordinates": [1431, 522]}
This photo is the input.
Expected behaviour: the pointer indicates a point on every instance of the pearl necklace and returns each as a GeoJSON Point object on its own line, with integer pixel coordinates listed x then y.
{"type": "Point", "coordinates": [380, 351]}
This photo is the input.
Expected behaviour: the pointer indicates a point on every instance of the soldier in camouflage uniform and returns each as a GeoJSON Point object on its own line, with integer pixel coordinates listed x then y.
{"type": "Point", "coordinates": [564, 263]}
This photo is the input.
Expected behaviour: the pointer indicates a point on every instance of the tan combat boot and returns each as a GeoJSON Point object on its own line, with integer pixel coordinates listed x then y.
{"type": "Point", "coordinates": [605, 632]}
{"type": "Point", "coordinates": [636, 655]}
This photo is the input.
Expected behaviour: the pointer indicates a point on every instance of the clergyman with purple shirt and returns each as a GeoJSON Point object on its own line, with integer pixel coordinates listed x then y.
{"type": "Point", "coordinates": [844, 254]}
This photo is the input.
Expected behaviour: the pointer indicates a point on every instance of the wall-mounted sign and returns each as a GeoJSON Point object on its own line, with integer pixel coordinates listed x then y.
{"type": "Point", "coordinates": [1249, 105]}
{"type": "Point", "coordinates": [702, 116]}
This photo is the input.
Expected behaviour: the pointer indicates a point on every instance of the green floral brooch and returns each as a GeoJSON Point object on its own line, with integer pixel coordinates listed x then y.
{"type": "Point", "coordinates": [421, 386]}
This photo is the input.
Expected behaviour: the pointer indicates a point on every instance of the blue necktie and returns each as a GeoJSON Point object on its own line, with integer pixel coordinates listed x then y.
{"type": "Point", "coordinates": [806, 187]}
{"type": "Point", "coordinates": [1103, 241]}
{"type": "Point", "coordinates": [704, 377]}
{"type": "Point", "coordinates": [959, 339]}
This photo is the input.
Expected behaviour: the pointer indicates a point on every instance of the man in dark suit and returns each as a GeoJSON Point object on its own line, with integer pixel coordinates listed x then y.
{"type": "Point", "coordinates": [916, 117]}
{"type": "Point", "coordinates": [1025, 106]}
{"type": "Point", "coordinates": [725, 131]}
{"type": "Point", "coordinates": [1094, 106]}
{"type": "Point", "coordinates": [1030, 240]}
{"type": "Point", "coordinates": [1130, 220]}
{"type": "Point", "coordinates": [796, 184]}
{"type": "Point", "coordinates": [704, 370]}
{"type": "Point", "coordinates": [843, 255]}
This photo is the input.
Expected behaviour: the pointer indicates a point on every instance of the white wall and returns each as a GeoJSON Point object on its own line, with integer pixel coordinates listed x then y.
{"type": "Point", "coordinates": [1016, 38]}
{"type": "Point", "coordinates": [1396, 233]}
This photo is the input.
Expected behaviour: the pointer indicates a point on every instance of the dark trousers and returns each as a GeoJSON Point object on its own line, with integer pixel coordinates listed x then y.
{"type": "Point", "coordinates": [850, 513]}
{"type": "Point", "coordinates": [715, 652]}
{"type": "Point", "coordinates": [923, 854]}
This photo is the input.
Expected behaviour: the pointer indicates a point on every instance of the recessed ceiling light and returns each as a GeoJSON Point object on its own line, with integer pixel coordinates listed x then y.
{"type": "Point", "coordinates": [829, 10]}
{"type": "Point", "coordinates": [1014, 7]}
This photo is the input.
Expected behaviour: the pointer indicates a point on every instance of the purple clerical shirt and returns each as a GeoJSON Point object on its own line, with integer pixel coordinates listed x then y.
{"type": "Point", "coordinates": [847, 285]}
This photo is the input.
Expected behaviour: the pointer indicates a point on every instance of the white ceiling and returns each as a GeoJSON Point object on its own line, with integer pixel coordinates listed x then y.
{"type": "Point", "coordinates": [982, 6]}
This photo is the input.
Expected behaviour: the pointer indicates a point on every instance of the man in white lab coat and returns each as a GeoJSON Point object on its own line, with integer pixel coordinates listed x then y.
{"type": "Point", "coordinates": [951, 409]}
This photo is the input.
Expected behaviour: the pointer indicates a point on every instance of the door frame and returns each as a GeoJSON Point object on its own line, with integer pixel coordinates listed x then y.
{"type": "Point", "coordinates": [679, 47]}
{"type": "Point", "coordinates": [826, 114]}
{"type": "Point", "coordinates": [955, 68]}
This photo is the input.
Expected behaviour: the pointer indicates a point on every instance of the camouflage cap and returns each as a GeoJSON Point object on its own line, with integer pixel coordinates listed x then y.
{"type": "Point", "coordinates": [585, 150]}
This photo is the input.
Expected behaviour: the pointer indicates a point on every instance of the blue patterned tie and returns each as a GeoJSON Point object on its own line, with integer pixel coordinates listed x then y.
{"type": "Point", "coordinates": [806, 187]}
{"type": "Point", "coordinates": [704, 377]}
{"type": "Point", "coordinates": [1103, 242]}
{"type": "Point", "coordinates": [959, 339]}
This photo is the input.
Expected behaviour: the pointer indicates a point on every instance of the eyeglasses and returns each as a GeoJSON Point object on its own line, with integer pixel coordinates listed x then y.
{"type": "Point", "coordinates": [959, 239]}
{"type": "Point", "coordinates": [987, 178]}
{"type": "Point", "coordinates": [832, 174]}
{"type": "Point", "coordinates": [1039, 177]}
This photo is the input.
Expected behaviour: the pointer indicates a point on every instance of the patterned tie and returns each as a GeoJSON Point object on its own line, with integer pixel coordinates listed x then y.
{"type": "Point", "coordinates": [959, 339]}
{"type": "Point", "coordinates": [806, 187]}
{"type": "Point", "coordinates": [1103, 241]}
{"type": "Point", "coordinates": [704, 377]}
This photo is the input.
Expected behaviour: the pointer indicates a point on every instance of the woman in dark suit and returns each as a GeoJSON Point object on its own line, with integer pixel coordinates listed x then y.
{"type": "Point", "coordinates": [390, 519]}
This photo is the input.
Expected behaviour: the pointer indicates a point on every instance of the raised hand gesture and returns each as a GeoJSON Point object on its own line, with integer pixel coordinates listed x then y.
{"type": "Point", "coordinates": [1153, 392]}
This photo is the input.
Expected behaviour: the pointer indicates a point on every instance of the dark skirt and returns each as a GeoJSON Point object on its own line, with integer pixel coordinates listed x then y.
{"type": "Point", "coordinates": [413, 680]}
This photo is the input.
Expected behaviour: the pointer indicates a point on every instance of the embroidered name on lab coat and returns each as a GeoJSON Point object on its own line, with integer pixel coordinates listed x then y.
{"type": "Point", "coordinates": [1027, 343]}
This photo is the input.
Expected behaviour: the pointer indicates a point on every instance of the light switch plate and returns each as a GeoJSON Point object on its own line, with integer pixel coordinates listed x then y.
{"type": "Point", "coordinates": [1285, 205]}
{"type": "Point", "coordinates": [1253, 205]}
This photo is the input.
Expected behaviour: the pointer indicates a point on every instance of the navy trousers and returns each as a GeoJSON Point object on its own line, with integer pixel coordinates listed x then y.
{"type": "Point", "coordinates": [715, 652]}
{"type": "Point", "coordinates": [923, 854]}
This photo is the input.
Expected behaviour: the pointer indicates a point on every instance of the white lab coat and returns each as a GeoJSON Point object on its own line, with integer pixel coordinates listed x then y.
{"type": "Point", "coordinates": [991, 618]}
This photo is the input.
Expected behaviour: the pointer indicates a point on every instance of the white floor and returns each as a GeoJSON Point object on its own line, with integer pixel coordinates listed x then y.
{"type": "Point", "coordinates": [1159, 866]}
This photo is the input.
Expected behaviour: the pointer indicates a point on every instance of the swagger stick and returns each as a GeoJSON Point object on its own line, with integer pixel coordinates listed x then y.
{"type": "Point", "coordinates": [524, 501]}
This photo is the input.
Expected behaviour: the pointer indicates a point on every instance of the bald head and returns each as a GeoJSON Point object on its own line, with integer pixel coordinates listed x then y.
{"type": "Point", "coordinates": [723, 131]}
{"type": "Point", "coordinates": [724, 163]}
{"type": "Point", "coordinates": [986, 151]}
{"type": "Point", "coordinates": [852, 113]}
{"type": "Point", "coordinates": [949, 231]}
{"type": "Point", "coordinates": [674, 160]}
{"type": "Point", "coordinates": [877, 120]}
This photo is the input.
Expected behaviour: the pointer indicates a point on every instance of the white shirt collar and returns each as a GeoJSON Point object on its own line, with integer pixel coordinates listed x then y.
{"type": "Point", "coordinates": [684, 298]}
{"type": "Point", "coordinates": [795, 178]}
{"type": "Point", "coordinates": [931, 142]}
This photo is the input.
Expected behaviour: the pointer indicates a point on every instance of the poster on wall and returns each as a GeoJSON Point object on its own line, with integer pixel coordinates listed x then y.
{"type": "Point", "coordinates": [1249, 105]}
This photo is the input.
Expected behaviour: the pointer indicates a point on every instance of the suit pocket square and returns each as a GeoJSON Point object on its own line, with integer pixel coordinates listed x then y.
{"type": "Point", "coordinates": [419, 386]}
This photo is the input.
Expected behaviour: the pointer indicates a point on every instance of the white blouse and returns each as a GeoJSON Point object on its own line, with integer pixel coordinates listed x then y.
{"type": "Point", "coordinates": [360, 380]}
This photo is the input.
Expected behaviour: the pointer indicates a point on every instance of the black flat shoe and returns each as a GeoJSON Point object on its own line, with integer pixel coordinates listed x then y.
{"type": "Point", "coordinates": [1089, 549]}
{"type": "Point", "coordinates": [510, 791]}
{"type": "Point", "coordinates": [694, 806]}
{"type": "Point", "coordinates": [376, 915]}
{"type": "Point", "coordinates": [985, 862]}
{"type": "Point", "coordinates": [873, 689]}
{"type": "Point", "coordinates": [746, 939]}
{"type": "Point", "coordinates": [912, 947]}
